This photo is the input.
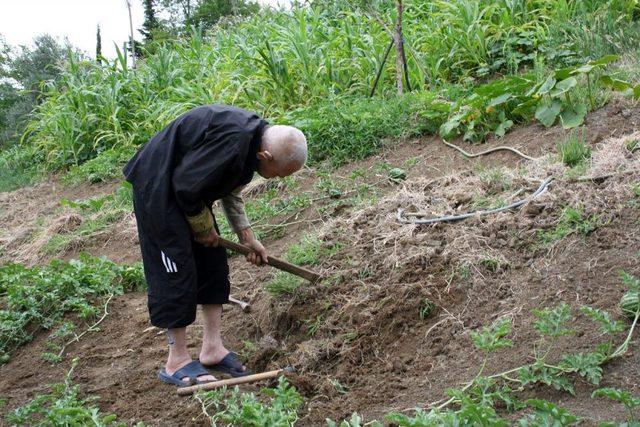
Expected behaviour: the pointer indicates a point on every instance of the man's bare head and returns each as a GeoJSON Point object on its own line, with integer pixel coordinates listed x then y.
{"type": "Point", "coordinates": [283, 151]}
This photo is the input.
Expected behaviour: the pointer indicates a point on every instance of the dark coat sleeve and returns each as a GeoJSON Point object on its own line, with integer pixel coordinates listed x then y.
{"type": "Point", "coordinates": [218, 157]}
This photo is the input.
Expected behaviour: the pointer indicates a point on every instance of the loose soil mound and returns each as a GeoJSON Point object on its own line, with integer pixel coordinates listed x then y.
{"type": "Point", "coordinates": [358, 340]}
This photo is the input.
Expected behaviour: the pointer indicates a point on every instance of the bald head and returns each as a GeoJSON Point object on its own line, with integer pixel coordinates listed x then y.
{"type": "Point", "coordinates": [283, 151]}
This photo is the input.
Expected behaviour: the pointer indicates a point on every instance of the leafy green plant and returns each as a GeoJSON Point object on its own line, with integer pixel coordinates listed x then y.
{"type": "Point", "coordinates": [574, 150]}
{"type": "Point", "coordinates": [495, 106]}
{"type": "Point", "coordinates": [37, 298]}
{"type": "Point", "coordinates": [547, 414]}
{"type": "Point", "coordinates": [492, 338]}
{"type": "Point", "coordinates": [106, 166]}
{"type": "Point", "coordinates": [236, 408]}
{"type": "Point", "coordinates": [629, 401]}
{"type": "Point", "coordinates": [63, 406]}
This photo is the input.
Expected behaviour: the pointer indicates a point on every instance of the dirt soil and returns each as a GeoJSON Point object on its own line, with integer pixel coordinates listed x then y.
{"type": "Point", "coordinates": [361, 327]}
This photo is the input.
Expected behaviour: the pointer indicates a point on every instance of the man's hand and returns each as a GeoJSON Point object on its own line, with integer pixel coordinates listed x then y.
{"type": "Point", "coordinates": [209, 240]}
{"type": "Point", "coordinates": [259, 254]}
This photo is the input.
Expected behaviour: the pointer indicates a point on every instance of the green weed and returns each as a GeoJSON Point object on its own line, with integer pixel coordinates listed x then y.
{"type": "Point", "coordinates": [573, 150]}
{"type": "Point", "coordinates": [37, 298]}
{"type": "Point", "coordinates": [314, 324]}
{"type": "Point", "coordinates": [236, 408]}
{"type": "Point", "coordinates": [492, 263]}
{"type": "Point", "coordinates": [571, 221]}
{"type": "Point", "coordinates": [426, 308]}
{"type": "Point", "coordinates": [283, 284]}
{"type": "Point", "coordinates": [494, 180]}
{"type": "Point", "coordinates": [311, 251]}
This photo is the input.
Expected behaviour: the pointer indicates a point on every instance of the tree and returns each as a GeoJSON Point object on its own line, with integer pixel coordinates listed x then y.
{"type": "Point", "coordinates": [204, 13]}
{"type": "Point", "coordinates": [98, 46]}
{"type": "Point", "coordinates": [22, 73]}
{"type": "Point", "coordinates": [151, 23]}
{"type": "Point", "coordinates": [207, 13]}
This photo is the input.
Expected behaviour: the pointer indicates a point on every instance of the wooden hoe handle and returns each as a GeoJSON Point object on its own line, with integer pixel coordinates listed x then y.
{"type": "Point", "coordinates": [272, 261]}
{"type": "Point", "coordinates": [183, 391]}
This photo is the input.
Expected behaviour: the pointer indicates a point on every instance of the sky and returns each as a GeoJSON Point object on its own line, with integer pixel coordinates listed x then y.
{"type": "Point", "coordinates": [22, 20]}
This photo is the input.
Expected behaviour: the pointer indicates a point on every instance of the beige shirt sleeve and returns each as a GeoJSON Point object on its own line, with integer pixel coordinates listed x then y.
{"type": "Point", "coordinates": [233, 208]}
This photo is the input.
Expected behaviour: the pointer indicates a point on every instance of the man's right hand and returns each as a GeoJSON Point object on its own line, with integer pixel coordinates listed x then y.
{"type": "Point", "coordinates": [208, 240]}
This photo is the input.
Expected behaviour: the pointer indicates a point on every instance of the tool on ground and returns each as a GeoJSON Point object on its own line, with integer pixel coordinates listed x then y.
{"type": "Point", "coordinates": [184, 391]}
{"type": "Point", "coordinates": [272, 261]}
{"type": "Point", "coordinates": [243, 305]}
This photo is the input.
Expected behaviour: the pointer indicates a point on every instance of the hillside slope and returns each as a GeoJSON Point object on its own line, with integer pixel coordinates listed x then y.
{"type": "Point", "coordinates": [360, 340]}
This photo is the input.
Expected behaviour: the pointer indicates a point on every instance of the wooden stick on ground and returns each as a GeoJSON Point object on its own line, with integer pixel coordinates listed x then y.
{"type": "Point", "coordinates": [272, 261]}
{"type": "Point", "coordinates": [184, 391]}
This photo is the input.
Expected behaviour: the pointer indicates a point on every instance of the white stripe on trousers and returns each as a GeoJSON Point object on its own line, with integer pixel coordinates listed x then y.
{"type": "Point", "coordinates": [166, 262]}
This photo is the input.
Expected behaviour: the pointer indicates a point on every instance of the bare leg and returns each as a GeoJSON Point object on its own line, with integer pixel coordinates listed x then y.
{"type": "Point", "coordinates": [213, 351]}
{"type": "Point", "coordinates": [178, 353]}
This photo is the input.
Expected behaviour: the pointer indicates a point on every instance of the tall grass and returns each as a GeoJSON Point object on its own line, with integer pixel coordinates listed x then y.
{"type": "Point", "coordinates": [296, 65]}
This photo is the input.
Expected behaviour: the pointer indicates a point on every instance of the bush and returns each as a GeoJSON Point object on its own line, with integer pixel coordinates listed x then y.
{"type": "Point", "coordinates": [18, 168]}
{"type": "Point", "coordinates": [104, 167]}
{"type": "Point", "coordinates": [347, 129]}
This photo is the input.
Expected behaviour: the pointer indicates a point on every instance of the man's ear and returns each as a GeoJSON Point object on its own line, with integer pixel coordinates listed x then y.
{"type": "Point", "coordinates": [264, 155]}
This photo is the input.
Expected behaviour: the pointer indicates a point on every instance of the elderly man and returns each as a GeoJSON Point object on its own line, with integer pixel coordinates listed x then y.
{"type": "Point", "coordinates": [207, 154]}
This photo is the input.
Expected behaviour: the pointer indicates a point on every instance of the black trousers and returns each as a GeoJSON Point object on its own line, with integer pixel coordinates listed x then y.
{"type": "Point", "coordinates": [181, 273]}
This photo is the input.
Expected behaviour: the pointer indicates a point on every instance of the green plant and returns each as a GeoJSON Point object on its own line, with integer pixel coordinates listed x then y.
{"type": "Point", "coordinates": [574, 150]}
{"type": "Point", "coordinates": [494, 180]}
{"type": "Point", "coordinates": [311, 250]}
{"type": "Point", "coordinates": [492, 263]}
{"type": "Point", "coordinates": [571, 221]}
{"type": "Point", "coordinates": [105, 166]}
{"type": "Point", "coordinates": [283, 284]}
{"type": "Point", "coordinates": [37, 298]}
{"type": "Point", "coordinates": [62, 407]}
{"type": "Point", "coordinates": [313, 324]}
{"type": "Point", "coordinates": [547, 414]}
{"type": "Point", "coordinates": [629, 401]}
{"type": "Point", "coordinates": [426, 308]}
{"type": "Point", "coordinates": [236, 408]}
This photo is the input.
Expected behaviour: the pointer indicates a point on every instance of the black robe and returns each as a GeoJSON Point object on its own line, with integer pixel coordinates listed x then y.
{"type": "Point", "coordinates": [200, 157]}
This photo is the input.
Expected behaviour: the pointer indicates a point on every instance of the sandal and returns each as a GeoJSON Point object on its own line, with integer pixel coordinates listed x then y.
{"type": "Point", "coordinates": [230, 364]}
{"type": "Point", "coordinates": [192, 370]}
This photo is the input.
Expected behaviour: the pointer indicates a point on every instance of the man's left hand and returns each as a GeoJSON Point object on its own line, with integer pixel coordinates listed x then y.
{"type": "Point", "coordinates": [259, 254]}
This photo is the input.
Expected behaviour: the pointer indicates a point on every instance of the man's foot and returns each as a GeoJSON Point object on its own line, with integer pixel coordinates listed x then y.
{"type": "Point", "coordinates": [174, 366]}
{"type": "Point", "coordinates": [220, 358]}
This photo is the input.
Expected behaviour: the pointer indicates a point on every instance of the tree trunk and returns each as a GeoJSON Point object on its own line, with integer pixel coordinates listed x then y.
{"type": "Point", "coordinates": [399, 42]}
{"type": "Point", "coordinates": [133, 43]}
